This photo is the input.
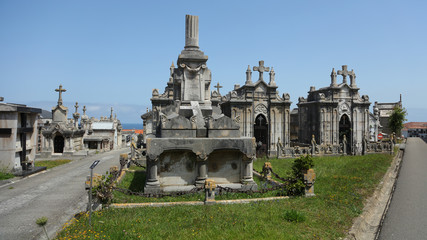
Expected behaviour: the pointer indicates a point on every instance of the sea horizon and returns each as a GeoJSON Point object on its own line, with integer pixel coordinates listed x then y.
{"type": "Point", "coordinates": [132, 125]}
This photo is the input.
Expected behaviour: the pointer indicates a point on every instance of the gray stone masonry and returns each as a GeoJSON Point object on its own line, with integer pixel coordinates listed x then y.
{"type": "Point", "coordinates": [190, 138]}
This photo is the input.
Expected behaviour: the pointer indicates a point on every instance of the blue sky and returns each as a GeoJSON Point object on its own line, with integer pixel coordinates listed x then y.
{"type": "Point", "coordinates": [113, 53]}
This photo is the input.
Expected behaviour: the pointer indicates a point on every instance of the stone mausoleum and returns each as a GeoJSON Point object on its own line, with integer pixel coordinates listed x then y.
{"type": "Point", "coordinates": [62, 136]}
{"type": "Point", "coordinates": [260, 111]}
{"type": "Point", "coordinates": [190, 138]}
{"type": "Point", "coordinates": [332, 112]}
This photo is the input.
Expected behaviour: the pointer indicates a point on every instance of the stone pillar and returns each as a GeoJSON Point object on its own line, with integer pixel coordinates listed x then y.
{"type": "Point", "coordinates": [152, 184]}
{"type": "Point", "coordinates": [333, 78]}
{"type": "Point", "coordinates": [247, 175]}
{"type": "Point", "coordinates": [202, 171]}
{"type": "Point", "coordinates": [191, 32]}
{"type": "Point", "coordinates": [248, 76]}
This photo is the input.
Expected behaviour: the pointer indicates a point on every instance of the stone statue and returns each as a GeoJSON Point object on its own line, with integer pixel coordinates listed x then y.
{"type": "Point", "coordinates": [344, 143]}
{"type": "Point", "coordinates": [313, 145]}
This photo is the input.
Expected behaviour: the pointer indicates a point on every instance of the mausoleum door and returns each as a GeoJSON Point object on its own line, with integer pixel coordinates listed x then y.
{"type": "Point", "coordinates": [345, 129]}
{"type": "Point", "coordinates": [261, 135]}
{"type": "Point", "coordinates": [58, 144]}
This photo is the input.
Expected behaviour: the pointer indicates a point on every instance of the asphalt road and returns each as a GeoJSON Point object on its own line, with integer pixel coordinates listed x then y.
{"type": "Point", "coordinates": [406, 217]}
{"type": "Point", "coordinates": [58, 194]}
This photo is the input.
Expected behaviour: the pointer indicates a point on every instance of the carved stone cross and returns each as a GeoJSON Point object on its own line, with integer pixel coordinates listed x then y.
{"type": "Point", "coordinates": [60, 90]}
{"type": "Point", "coordinates": [218, 87]}
{"type": "Point", "coordinates": [344, 73]}
{"type": "Point", "coordinates": [261, 69]}
{"type": "Point", "coordinates": [76, 106]}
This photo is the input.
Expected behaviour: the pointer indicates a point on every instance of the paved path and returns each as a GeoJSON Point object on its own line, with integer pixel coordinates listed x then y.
{"type": "Point", "coordinates": [57, 194]}
{"type": "Point", "coordinates": [407, 215]}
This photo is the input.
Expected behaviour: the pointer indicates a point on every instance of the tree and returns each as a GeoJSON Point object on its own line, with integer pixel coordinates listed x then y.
{"type": "Point", "coordinates": [397, 117]}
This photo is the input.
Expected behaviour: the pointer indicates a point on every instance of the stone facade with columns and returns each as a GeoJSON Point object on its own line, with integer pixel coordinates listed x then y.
{"type": "Point", "coordinates": [260, 111]}
{"type": "Point", "coordinates": [331, 112]}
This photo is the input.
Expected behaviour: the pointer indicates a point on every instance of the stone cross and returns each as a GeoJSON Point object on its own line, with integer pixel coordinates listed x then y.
{"type": "Point", "coordinates": [218, 87]}
{"type": "Point", "coordinates": [261, 69]}
{"type": "Point", "coordinates": [60, 90]}
{"type": "Point", "coordinates": [76, 106]}
{"type": "Point", "coordinates": [84, 110]}
{"type": "Point", "coordinates": [344, 73]}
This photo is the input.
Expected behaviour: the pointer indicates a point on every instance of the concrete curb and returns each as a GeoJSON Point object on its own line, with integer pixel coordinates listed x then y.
{"type": "Point", "coordinates": [193, 203]}
{"type": "Point", "coordinates": [368, 224]}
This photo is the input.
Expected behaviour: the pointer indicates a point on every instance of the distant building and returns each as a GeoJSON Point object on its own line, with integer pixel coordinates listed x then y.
{"type": "Point", "coordinates": [18, 136]}
{"type": "Point", "coordinates": [385, 110]}
{"type": "Point", "coordinates": [415, 129]}
{"type": "Point", "coordinates": [61, 136]}
{"type": "Point", "coordinates": [103, 134]}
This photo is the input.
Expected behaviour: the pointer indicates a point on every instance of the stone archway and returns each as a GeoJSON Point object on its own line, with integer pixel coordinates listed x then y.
{"type": "Point", "coordinates": [261, 135]}
{"type": "Point", "coordinates": [58, 144]}
{"type": "Point", "coordinates": [345, 129]}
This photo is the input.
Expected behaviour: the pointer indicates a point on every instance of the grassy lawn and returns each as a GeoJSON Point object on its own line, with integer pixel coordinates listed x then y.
{"type": "Point", "coordinates": [51, 163]}
{"type": "Point", "coordinates": [341, 186]}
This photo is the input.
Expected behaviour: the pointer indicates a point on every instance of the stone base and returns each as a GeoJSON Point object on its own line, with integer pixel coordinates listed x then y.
{"type": "Point", "coordinates": [249, 186]}
{"type": "Point", "coordinates": [152, 189]}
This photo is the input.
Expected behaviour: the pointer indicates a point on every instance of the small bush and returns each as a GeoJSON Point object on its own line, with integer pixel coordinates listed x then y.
{"type": "Point", "coordinates": [301, 165]}
{"type": "Point", "coordinates": [6, 175]}
{"type": "Point", "coordinates": [294, 216]}
{"type": "Point", "coordinates": [104, 191]}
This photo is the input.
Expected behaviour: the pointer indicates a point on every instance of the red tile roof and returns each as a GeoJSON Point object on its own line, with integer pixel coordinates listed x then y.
{"type": "Point", "coordinates": [415, 125]}
{"type": "Point", "coordinates": [137, 131]}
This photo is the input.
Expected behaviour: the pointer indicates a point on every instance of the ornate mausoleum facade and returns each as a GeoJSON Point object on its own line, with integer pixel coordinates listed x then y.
{"type": "Point", "coordinates": [260, 111]}
{"type": "Point", "coordinates": [336, 115]}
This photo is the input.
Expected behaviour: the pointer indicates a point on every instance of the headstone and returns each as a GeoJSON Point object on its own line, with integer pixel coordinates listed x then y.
{"type": "Point", "coordinates": [210, 187]}
{"type": "Point", "coordinates": [309, 179]}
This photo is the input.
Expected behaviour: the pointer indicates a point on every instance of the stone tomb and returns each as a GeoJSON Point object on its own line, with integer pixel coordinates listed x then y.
{"type": "Point", "coordinates": [190, 139]}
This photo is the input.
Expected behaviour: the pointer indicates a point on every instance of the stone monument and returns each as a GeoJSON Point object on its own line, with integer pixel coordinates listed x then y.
{"type": "Point", "coordinates": [191, 139]}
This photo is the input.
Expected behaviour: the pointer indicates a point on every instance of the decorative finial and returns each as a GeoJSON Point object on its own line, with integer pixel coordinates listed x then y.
{"type": "Point", "coordinates": [272, 77]}
{"type": "Point", "coordinates": [248, 76]}
{"type": "Point", "coordinates": [76, 106]}
{"type": "Point", "coordinates": [333, 78]}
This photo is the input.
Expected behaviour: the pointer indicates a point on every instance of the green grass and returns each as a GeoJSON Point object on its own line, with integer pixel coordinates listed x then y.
{"type": "Point", "coordinates": [6, 175]}
{"type": "Point", "coordinates": [51, 163]}
{"type": "Point", "coordinates": [341, 186]}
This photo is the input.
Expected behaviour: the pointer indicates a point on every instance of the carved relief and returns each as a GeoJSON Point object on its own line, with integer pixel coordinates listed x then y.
{"type": "Point", "coordinates": [261, 108]}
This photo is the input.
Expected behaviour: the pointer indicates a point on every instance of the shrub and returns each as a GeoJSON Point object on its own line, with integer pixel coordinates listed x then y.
{"type": "Point", "coordinates": [294, 216]}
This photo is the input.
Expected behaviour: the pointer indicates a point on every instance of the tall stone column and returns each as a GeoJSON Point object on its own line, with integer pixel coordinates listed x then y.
{"type": "Point", "coordinates": [191, 32]}
{"type": "Point", "coordinates": [202, 171]}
